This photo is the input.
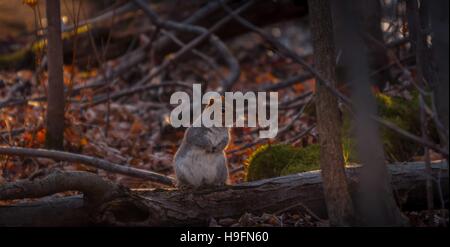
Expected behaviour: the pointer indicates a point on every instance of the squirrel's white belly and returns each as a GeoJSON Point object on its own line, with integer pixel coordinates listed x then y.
{"type": "Point", "coordinates": [199, 167]}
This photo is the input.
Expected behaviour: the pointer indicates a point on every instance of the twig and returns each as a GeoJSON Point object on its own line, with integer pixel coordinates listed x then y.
{"type": "Point", "coordinates": [102, 98]}
{"type": "Point", "coordinates": [207, 9]}
{"type": "Point", "coordinates": [116, 10]}
{"type": "Point", "coordinates": [309, 211]}
{"type": "Point", "coordinates": [280, 132]}
{"type": "Point", "coordinates": [297, 116]}
{"type": "Point", "coordinates": [288, 82]}
{"type": "Point", "coordinates": [424, 127]}
{"type": "Point", "coordinates": [410, 136]}
{"type": "Point", "coordinates": [209, 61]}
{"type": "Point", "coordinates": [88, 160]}
{"type": "Point", "coordinates": [300, 135]}
{"type": "Point", "coordinates": [295, 105]}
{"type": "Point", "coordinates": [296, 98]}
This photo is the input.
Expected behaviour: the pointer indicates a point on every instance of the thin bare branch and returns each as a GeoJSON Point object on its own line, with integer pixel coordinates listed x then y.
{"type": "Point", "coordinates": [90, 161]}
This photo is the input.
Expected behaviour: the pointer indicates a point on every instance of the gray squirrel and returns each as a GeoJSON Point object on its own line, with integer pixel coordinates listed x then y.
{"type": "Point", "coordinates": [200, 160]}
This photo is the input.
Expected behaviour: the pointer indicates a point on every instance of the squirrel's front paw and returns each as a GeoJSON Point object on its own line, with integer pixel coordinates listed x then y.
{"type": "Point", "coordinates": [212, 149]}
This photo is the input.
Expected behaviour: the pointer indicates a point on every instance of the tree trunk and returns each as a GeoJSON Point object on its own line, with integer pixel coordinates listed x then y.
{"type": "Point", "coordinates": [369, 14]}
{"type": "Point", "coordinates": [439, 26]}
{"type": "Point", "coordinates": [418, 26]}
{"type": "Point", "coordinates": [339, 204]}
{"type": "Point", "coordinates": [172, 207]}
{"type": "Point", "coordinates": [55, 103]}
{"type": "Point", "coordinates": [417, 23]}
{"type": "Point", "coordinates": [376, 201]}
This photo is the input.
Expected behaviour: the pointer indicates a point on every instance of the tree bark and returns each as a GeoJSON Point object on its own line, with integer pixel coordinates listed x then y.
{"type": "Point", "coordinates": [418, 28]}
{"type": "Point", "coordinates": [369, 15]}
{"type": "Point", "coordinates": [173, 207]}
{"type": "Point", "coordinates": [370, 12]}
{"type": "Point", "coordinates": [440, 44]}
{"type": "Point", "coordinates": [339, 203]}
{"type": "Point", "coordinates": [55, 103]}
{"type": "Point", "coordinates": [376, 201]}
{"type": "Point", "coordinates": [417, 23]}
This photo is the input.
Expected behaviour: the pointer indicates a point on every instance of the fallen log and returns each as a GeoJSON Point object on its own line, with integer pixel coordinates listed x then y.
{"type": "Point", "coordinates": [174, 207]}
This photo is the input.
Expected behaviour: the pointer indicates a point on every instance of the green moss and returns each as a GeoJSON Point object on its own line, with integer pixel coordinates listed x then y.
{"type": "Point", "coordinates": [269, 160]}
{"type": "Point", "coordinates": [405, 114]}
{"type": "Point", "coordinates": [282, 159]}
{"type": "Point", "coordinates": [305, 159]}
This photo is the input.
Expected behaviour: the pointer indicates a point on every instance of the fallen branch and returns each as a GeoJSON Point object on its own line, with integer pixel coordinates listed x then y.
{"type": "Point", "coordinates": [174, 207]}
{"type": "Point", "coordinates": [87, 183]}
{"type": "Point", "coordinates": [90, 161]}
